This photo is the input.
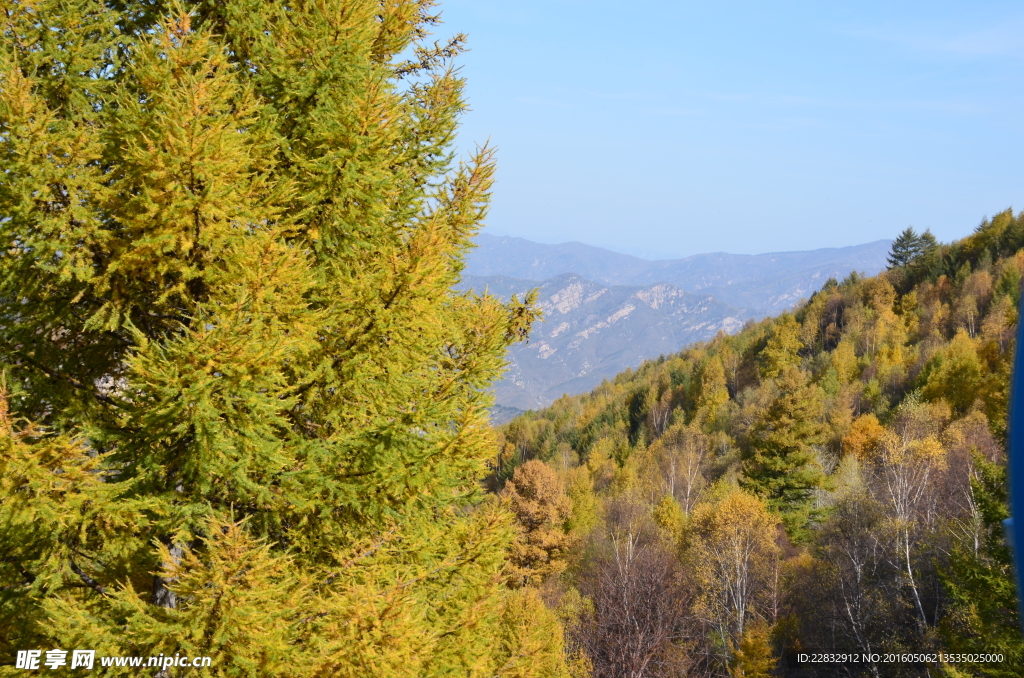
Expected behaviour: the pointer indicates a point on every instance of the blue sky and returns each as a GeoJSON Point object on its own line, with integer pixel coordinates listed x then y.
{"type": "Point", "coordinates": [673, 128]}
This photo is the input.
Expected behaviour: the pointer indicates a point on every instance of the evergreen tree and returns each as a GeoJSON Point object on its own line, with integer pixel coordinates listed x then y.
{"type": "Point", "coordinates": [907, 247]}
{"type": "Point", "coordinates": [929, 243]}
{"type": "Point", "coordinates": [247, 414]}
{"type": "Point", "coordinates": [984, 617]}
{"type": "Point", "coordinates": [912, 248]}
{"type": "Point", "coordinates": [781, 465]}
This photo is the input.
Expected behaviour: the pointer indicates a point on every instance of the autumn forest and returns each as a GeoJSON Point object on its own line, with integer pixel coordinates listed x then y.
{"type": "Point", "coordinates": [245, 415]}
{"type": "Point", "coordinates": [831, 480]}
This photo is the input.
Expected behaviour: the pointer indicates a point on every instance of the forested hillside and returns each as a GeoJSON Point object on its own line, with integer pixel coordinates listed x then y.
{"type": "Point", "coordinates": [828, 480]}
{"type": "Point", "coordinates": [244, 409]}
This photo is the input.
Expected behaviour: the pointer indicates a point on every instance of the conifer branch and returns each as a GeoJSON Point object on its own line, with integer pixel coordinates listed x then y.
{"type": "Point", "coordinates": [89, 581]}
{"type": "Point", "coordinates": [29, 577]}
{"type": "Point", "coordinates": [318, 615]}
{"type": "Point", "coordinates": [352, 561]}
{"type": "Point", "coordinates": [66, 379]}
{"type": "Point", "coordinates": [429, 58]}
{"type": "Point", "coordinates": [359, 336]}
{"type": "Point", "coordinates": [510, 663]}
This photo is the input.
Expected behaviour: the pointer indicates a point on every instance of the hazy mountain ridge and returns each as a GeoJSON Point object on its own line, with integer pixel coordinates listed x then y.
{"type": "Point", "coordinates": [767, 282]}
{"type": "Point", "coordinates": [605, 311]}
{"type": "Point", "coordinates": [592, 332]}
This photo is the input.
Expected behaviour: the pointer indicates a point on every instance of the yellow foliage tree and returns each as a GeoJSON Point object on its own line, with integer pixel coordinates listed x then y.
{"type": "Point", "coordinates": [680, 458]}
{"type": "Point", "coordinates": [782, 347]}
{"type": "Point", "coordinates": [753, 658]}
{"type": "Point", "coordinates": [670, 518]}
{"type": "Point", "coordinates": [531, 639]}
{"type": "Point", "coordinates": [731, 548]}
{"type": "Point", "coordinates": [878, 294]}
{"type": "Point", "coordinates": [712, 393]}
{"type": "Point", "coordinates": [864, 436]}
{"type": "Point", "coordinates": [908, 456]}
{"type": "Point", "coordinates": [955, 374]}
{"type": "Point", "coordinates": [844, 360]}
{"type": "Point", "coordinates": [537, 498]}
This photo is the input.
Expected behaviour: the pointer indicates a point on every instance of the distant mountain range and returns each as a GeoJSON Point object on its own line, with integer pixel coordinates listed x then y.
{"type": "Point", "coordinates": [592, 332]}
{"type": "Point", "coordinates": [766, 282]}
{"type": "Point", "coordinates": [605, 311]}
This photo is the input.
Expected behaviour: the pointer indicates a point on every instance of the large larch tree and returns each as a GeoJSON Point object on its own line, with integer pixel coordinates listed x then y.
{"type": "Point", "coordinates": [243, 413]}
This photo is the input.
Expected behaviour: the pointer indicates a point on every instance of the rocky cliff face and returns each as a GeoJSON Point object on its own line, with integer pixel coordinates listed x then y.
{"type": "Point", "coordinates": [605, 312]}
{"type": "Point", "coordinates": [592, 332]}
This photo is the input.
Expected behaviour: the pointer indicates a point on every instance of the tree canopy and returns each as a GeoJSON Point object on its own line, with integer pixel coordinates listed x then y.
{"type": "Point", "coordinates": [243, 413]}
{"type": "Point", "coordinates": [910, 246]}
{"type": "Point", "coordinates": [829, 480]}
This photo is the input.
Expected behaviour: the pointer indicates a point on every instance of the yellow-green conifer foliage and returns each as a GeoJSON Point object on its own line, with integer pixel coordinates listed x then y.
{"type": "Point", "coordinates": [247, 415]}
{"type": "Point", "coordinates": [537, 499]}
{"type": "Point", "coordinates": [781, 350]}
{"type": "Point", "coordinates": [753, 658]}
{"type": "Point", "coordinates": [713, 392]}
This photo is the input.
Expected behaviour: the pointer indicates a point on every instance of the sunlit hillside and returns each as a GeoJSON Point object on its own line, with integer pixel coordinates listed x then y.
{"type": "Point", "coordinates": [826, 480]}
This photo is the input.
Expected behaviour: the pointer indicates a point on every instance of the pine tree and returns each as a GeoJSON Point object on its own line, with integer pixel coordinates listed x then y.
{"type": "Point", "coordinates": [911, 248]}
{"type": "Point", "coordinates": [929, 243]}
{"type": "Point", "coordinates": [781, 466]}
{"type": "Point", "coordinates": [247, 414]}
{"type": "Point", "coordinates": [907, 247]}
